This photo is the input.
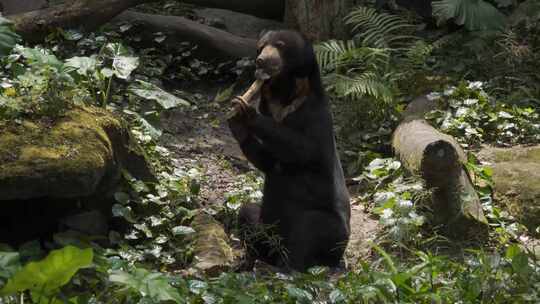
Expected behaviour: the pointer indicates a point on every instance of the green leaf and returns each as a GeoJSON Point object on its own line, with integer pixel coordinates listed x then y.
{"type": "Point", "coordinates": [122, 197]}
{"type": "Point", "coordinates": [50, 273]}
{"type": "Point", "coordinates": [124, 65]}
{"type": "Point", "coordinates": [336, 296]}
{"type": "Point", "coordinates": [154, 132]}
{"type": "Point", "coordinates": [8, 37]}
{"type": "Point", "coordinates": [9, 264]}
{"type": "Point", "coordinates": [299, 294]}
{"type": "Point", "coordinates": [149, 284]}
{"type": "Point", "coordinates": [150, 91]}
{"type": "Point", "coordinates": [224, 95]}
{"type": "Point", "coordinates": [39, 56]}
{"type": "Point", "coordinates": [476, 15]}
{"type": "Point", "coordinates": [113, 50]}
{"type": "Point", "coordinates": [182, 230]}
{"type": "Point", "coordinates": [124, 212]}
{"type": "Point", "coordinates": [83, 65]}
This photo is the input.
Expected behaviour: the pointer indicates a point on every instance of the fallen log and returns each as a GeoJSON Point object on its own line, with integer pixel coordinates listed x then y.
{"type": "Point", "coordinates": [87, 15]}
{"type": "Point", "coordinates": [270, 9]}
{"type": "Point", "coordinates": [213, 254]}
{"type": "Point", "coordinates": [179, 29]}
{"type": "Point", "coordinates": [439, 160]}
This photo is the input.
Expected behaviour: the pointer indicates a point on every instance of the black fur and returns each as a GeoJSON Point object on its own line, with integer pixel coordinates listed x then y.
{"type": "Point", "coordinates": [305, 197]}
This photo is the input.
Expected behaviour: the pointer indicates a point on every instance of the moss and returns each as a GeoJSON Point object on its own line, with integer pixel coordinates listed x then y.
{"type": "Point", "coordinates": [516, 175]}
{"type": "Point", "coordinates": [68, 157]}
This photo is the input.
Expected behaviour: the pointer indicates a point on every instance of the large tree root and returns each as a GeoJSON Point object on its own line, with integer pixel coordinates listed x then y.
{"type": "Point", "coordinates": [179, 29]}
{"type": "Point", "coordinates": [271, 9]}
{"type": "Point", "coordinates": [85, 14]}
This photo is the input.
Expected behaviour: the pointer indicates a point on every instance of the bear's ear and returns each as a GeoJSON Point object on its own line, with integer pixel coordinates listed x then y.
{"type": "Point", "coordinates": [263, 32]}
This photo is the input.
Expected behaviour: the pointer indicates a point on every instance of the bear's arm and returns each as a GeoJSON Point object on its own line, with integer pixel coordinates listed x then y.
{"type": "Point", "coordinates": [284, 143]}
{"type": "Point", "coordinates": [256, 154]}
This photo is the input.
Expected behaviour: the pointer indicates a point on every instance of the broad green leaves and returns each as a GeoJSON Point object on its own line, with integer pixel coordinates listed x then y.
{"type": "Point", "coordinates": [39, 57]}
{"type": "Point", "coordinates": [51, 273]}
{"type": "Point", "coordinates": [8, 38]}
{"type": "Point", "coordinates": [152, 285]}
{"type": "Point", "coordinates": [475, 15]}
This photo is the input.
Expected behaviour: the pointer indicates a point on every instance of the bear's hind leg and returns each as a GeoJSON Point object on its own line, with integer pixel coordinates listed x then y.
{"type": "Point", "coordinates": [317, 239]}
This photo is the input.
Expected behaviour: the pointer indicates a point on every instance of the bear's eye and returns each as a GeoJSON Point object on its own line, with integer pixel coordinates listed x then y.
{"type": "Point", "coordinates": [280, 44]}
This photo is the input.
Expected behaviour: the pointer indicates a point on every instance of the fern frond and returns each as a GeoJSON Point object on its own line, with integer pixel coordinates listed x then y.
{"type": "Point", "coordinates": [329, 52]}
{"type": "Point", "coordinates": [417, 54]}
{"type": "Point", "coordinates": [367, 83]}
{"type": "Point", "coordinates": [335, 54]}
{"type": "Point", "coordinates": [379, 30]}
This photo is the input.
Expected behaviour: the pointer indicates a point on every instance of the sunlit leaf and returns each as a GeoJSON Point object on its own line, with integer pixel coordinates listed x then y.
{"type": "Point", "coordinates": [124, 65]}
{"type": "Point", "coordinates": [53, 272]}
{"type": "Point", "coordinates": [182, 230]}
{"type": "Point", "coordinates": [83, 65]}
{"type": "Point", "coordinates": [150, 91]}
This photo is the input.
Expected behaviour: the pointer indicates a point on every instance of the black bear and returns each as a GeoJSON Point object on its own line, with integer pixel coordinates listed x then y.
{"type": "Point", "coordinates": [291, 140]}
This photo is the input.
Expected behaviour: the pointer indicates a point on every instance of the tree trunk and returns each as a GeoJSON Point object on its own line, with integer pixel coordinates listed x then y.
{"type": "Point", "coordinates": [216, 42]}
{"type": "Point", "coordinates": [85, 14]}
{"type": "Point", "coordinates": [10, 7]}
{"type": "Point", "coordinates": [439, 159]}
{"type": "Point", "coordinates": [318, 19]}
{"type": "Point", "coordinates": [271, 9]}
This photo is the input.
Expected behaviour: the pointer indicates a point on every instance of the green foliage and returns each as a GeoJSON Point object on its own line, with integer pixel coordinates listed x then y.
{"type": "Point", "coordinates": [474, 118]}
{"type": "Point", "coordinates": [8, 37]}
{"type": "Point", "coordinates": [396, 200]}
{"type": "Point", "coordinates": [96, 77]}
{"type": "Point", "coordinates": [369, 69]}
{"type": "Point", "coordinates": [379, 30]}
{"type": "Point", "coordinates": [152, 92]}
{"type": "Point", "coordinates": [44, 278]}
{"type": "Point", "coordinates": [152, 287]}
{"type": "Point", "coordinates": [44, 85]}
{"type": "Point", "coordinates": [475, 15]}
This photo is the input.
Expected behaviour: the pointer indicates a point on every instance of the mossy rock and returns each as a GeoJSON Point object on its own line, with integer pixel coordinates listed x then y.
{"type": "Point", "coordinates": [516, 176]}
{"type": "Point", "coordinates": [80, 154]}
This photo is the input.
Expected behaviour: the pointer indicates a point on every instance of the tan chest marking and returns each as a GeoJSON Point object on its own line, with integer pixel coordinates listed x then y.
{"type": "Point", "coordinates": [280, 112]}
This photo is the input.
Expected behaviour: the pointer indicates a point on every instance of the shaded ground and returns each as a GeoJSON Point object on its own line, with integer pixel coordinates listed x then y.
{"type": "Point", "coordinates": [199, 138]}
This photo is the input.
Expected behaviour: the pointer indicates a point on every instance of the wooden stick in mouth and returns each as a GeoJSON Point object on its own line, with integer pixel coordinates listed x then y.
{"type": "Point", "coordinates": [246, 98]}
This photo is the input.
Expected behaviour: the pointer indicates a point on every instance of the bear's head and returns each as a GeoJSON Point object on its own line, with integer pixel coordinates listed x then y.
{"type": "Point", "coordinates": [284, 52]}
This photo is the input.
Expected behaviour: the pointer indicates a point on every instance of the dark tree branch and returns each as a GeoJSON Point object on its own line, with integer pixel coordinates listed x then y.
{"type": "Point", "coordinates": [88, 15]}
{"type": "Point", "coordinates": [271, 9]}
{"type": "Point", "coordinates": [180, 29]}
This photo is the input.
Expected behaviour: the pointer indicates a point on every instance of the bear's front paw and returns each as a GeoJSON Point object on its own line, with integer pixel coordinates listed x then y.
{"type": "Point", "coordinates": [245, 111]}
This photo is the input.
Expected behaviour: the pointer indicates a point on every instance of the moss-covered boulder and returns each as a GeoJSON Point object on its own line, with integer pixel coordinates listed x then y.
{"type": "Point", "coordinates": [516, 176]}
{"type": "Point", "coordinates": [78, 155]}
